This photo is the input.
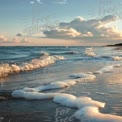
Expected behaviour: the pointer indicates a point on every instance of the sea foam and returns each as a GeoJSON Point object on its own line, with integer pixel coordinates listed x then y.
{"type": "Point", "coordinates": [7, 69]}
{"type": "Point", "coordinates": [65, 83]}
{"type": "Point", "coordinates": [117, 58]}
{"type": "Point", "coordinates": [83, 76]}
{"type": "Point", "coordinates": [90, 52]}
{"type": "Point", "coordinates": [92, 114]}
{"type": "Point", "coordinates": [88, 108]}
{"type": "Point", "coordinates": [66, 99]}
{"type": "Point", "coordinates": [32, 95]}
{"type": "Point", "coordinates": [107, 69]}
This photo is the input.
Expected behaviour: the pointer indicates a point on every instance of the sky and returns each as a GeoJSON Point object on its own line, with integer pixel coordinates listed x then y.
{"type": "Point", "coordinates": [60, 22]}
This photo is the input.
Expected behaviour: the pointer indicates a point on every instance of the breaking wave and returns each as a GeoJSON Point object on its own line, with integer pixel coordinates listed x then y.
{"type": "Point", "coordinates": [8, 69]}
{"type": "Point", "coordinates": [90, 52]}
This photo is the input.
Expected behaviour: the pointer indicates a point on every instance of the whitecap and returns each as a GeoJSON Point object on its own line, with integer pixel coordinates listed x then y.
{"type": "Point", "coordinates": [8, 69]}
{"type": "Point", "coordinates": [89, 52]}
{"type": "Point", "coordinates": [117, 58]}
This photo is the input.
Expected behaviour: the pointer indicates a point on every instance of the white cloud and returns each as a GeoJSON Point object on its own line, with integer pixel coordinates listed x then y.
{"type": "Point", "coordinates": [81, 28]}
{"type": "Point", "coordinates": [3, 38]}
{"type": "Point", "coordinates": [16, 40]}
{"type": "Point", "coordinates": [20, 40]}
{"type": "Point", "coordinates": [62, 33]}
{"type": "Point", "coordinates": [25, 40]}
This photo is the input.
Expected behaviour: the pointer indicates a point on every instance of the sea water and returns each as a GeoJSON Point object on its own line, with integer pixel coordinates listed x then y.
{"type": "Point", "coordinates": [50, 71]}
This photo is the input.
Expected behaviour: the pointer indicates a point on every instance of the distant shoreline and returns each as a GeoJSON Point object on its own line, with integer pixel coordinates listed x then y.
{"type": "Point", "coordinates": [119, 44]}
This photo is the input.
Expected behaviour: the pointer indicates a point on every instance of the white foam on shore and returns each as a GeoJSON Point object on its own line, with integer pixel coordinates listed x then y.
{"type": "Point", "coordinates": [79, 102]}
{"type": "Point", "coordinates": [66, 99]}
{"type": "Point", "coordinates": [107, 69]}
{"type": "Point", "coordinates": [88, 108]}
{"type": "Point", "coordinates": [92, 114]}
{"type": "Point", "coordinates": [83, 76]}
{"type": "Point", "coordinates": [62, 84]}
{"type": "Point", "coordinates": [32, 95]}
{"type": "Point", "coordinates": [87, 101]}
{"type": "Point", "coordinates": [53, 85]}
{"type": "Point", "coordinates": [8, 69]}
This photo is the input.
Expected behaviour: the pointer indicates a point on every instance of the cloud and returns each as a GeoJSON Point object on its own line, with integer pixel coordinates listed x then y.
{"type": "Point", "coordinates": [3, 38]}
{"type": "Point", "coordinates": [15, 40]}
{"type": "Point", "coordinates": [19, 34]}
{"type": "Point", "coordinates": [109, 18]}
{"type": "Point", "coordinates": [20, 40]}
{"type": "Point", "coordinates": [25, 40]}
{"type": "Point", "coordinates": [62, 33]}
{"type": "Point", "coordinates": [80, 28]}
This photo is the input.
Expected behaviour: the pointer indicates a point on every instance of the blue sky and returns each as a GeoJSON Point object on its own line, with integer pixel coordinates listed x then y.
{"type": "Point", "coordinates": [17, 15]}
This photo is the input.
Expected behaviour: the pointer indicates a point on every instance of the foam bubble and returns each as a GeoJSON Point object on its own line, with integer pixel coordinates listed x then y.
{"type": "Point", "coordinates": [79, 102]}
{"type": "Point", "coordinates": [32, 95]}
{"type": "Point", "coordinates": [66, 99]}
{"type": "Point", "coordinates": [92, 114]}
{"type": "Point", "coordinates": [86, 101]}
{"type": "Point", "coordinates": [83, 76]}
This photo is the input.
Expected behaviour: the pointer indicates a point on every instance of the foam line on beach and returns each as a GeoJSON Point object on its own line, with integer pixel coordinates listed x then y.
{"type": "Point", "coordinates": [8, 69]}
{"type": "Point", "coordinates": [107, 69]}
{"type": "Point", "coordinates": [92, 114]}
{"type": "Point", "coordinates": [88, 109]}
{"type": "Point", "coordinates": [83, 76]}
{"type": "Point", "coordinates": [79, 77]}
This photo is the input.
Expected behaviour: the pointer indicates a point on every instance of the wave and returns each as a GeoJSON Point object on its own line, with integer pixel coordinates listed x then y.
{"type": "Point", "coordinates": [107, 69]}
{"type": "Point", "coordinates": [64, 53]}
{"type": "Point", "coordinates": [117, 58]}
{"type": "Point", "coordinates": [45, 53]}
{"type": "Point", "coordinates": [82, 77]}
{"type": "Point", "coordinates": [8, 69]}
{"type": "Point", "coordinates": [90, 52]}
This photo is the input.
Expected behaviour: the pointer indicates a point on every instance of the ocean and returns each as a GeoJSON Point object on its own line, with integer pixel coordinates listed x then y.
{"type": "Point", "coordinates": [95, 72]}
